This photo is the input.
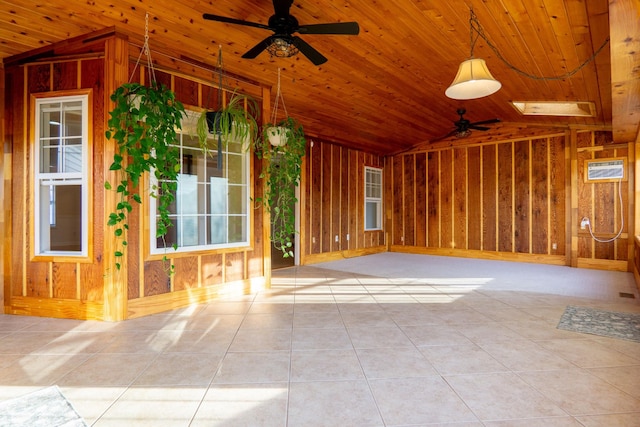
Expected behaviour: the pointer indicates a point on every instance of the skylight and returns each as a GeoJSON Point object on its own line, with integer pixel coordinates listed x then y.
{"type": "Point", "coordinates": [545, 108]}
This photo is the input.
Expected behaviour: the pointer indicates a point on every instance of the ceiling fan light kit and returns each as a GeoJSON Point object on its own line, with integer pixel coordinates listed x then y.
{"type": "Point", "coordinates": [283, 44]}
{"type": "Point", "coordinates": [473, 81]}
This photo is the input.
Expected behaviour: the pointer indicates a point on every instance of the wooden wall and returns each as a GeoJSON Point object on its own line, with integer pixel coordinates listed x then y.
{"type": "Point", "coordinates": [93, 289]}
{"type": "Point", "coordinates": [509, 200]}
{"type": "Point", "coordinates": [333, 203]}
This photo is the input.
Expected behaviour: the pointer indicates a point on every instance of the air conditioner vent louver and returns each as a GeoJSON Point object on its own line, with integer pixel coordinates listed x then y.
{"type": "Point", "coordinates": [605, 169]}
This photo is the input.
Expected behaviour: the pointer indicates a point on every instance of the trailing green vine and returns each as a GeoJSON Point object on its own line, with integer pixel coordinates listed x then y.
{"type": "Point", "coordinates": [143, 124]}
{"type": "Point", "coordinates": [282, 174]}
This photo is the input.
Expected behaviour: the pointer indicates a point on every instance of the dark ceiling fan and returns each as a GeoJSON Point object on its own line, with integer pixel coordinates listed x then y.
{"type": "Point", "coordinates": [463, 126]}
{"type": "Point", "coordinates": [283, 43]}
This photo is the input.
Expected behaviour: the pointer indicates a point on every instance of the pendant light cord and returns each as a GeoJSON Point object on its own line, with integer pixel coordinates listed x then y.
{"type": "Point", "coordinates": [474, 25]}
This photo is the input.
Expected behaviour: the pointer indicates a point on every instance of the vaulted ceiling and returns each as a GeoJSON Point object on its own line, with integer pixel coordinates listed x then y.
{"type": "Point", "coordinates": [383, 90]}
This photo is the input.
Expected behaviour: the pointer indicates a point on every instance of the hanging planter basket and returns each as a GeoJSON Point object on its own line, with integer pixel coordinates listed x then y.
{"type": "Point", "coordinates": [277, 135]}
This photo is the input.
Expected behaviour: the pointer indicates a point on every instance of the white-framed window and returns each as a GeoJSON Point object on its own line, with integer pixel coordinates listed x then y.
{"type": "Point", "coordinates": [372, 198]}
{"type": "Point", "coordinates": [61, 185]}
{"type": "Point", "coordinates": [211, 207]}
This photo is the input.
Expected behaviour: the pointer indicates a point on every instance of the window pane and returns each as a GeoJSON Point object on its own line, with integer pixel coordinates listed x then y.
{"type": "Point", "coordinates": [373, 199]}
{"type": "Point", "coordinates": [61, 176]}
{"type": "Point", "coordinates": [371, 215]}
{"type": "Point", "coordinates": [212, 201]}
{"type": "Point", "coordinates": [60, 218]}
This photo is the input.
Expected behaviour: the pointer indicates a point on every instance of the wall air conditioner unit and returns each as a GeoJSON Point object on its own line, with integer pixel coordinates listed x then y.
{"type": "Point", "coordinates": [605, 170]}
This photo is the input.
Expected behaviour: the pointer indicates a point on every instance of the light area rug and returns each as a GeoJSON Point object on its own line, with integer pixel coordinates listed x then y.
{"type": "Point", "coordinates": [42, 408]}
{"type": "Point", "coordinates": [612, 324]}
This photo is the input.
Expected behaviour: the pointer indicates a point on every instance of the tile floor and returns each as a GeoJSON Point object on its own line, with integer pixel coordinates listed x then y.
{"type": "Point", "coordinates": [383, 340]}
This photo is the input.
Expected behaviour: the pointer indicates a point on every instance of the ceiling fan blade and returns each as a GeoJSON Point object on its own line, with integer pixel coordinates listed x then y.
{"type": "Point", "coordinates": [281, 7]}
{"type": "Point", "coordinates": [257, 49]}
{"type": "Point", "coordinates": [314, 56]}
{"type": "Point", "coordinates": [478, 127]}
{"type": "Point", "coordinates": [338, 28]}
{"type": "Point", "coordinates": [235, 21]}
{"type": "Point", "coordinates": [486, 122]}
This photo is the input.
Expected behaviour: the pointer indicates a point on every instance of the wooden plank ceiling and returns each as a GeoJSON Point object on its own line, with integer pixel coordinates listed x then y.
{"type": "Point", "coordinates": [382, 90]}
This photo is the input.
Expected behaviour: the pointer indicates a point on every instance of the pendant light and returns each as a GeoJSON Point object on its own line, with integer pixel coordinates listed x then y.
{"type": "Point", "coordinates": [473, 79]}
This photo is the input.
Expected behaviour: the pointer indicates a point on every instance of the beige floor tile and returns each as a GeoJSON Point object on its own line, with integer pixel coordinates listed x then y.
{"type": "Point", "coordinates": [419, 401]}
{"type": "Point", "coordinates": [153, 407]}
{"type": "Point", "coordinates": [259, 367]}
{"type": "Point", "coordinates": [485, 333]}
{"type": "Point", "coordinates": [536, 422]}
{"type": "Point", "coordinates": [320, 339]}
{"type": "Point", "coordinates": [397, 362]}
{"type": "Point", "coordinates": [267, 321]}
{"type": "Point", "coordinates": [91, 402]}
{"type": "Point", "coordinates": [26, 342]}
{"type": "Point", "coordinates": [588, 353]}
{"type": "Point", "coordinates": [318, 319]}
{"type": "Point", "coordinates": [626, 378]}
{"type": "Point", "coordinates": [331, 404]}
{"type": "Point", "coordinates": [424, 335]}
{"type": "Point", "coordinates": [611, 420]}
{"type": "Point", "coordinates": [262, 340]}
{"type": "Point", "coordinates": [580, 393]}
{"type": "Point", "coordinates": [461, 359]}
{"type": "Point", "coordinates": [211, 342]}
{"type": "Point", "coordinates": [180, 369]}
{"type": "Point", "coordinates": [368, 337]}
{"type": "Point", "coordinates": [108, 370]}
{"type": "Point", "coordinates": [244, 405]}
{"type": "Point", "coordinates": [40, 369]}
{"type": "Point", "coordinates": [325, 365]}
{"type": "Point", "coordinates": [525, 356]}
{"type": "Point", "coordinates": [500, 396]}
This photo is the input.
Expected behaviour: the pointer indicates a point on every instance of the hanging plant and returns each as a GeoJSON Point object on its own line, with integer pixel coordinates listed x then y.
{"type": "Point", "coordinates": [237, 119]}
{"type": "Point", "coordinates": [143, 125]}
{"type": "Point", "coordinates": [283, 161]}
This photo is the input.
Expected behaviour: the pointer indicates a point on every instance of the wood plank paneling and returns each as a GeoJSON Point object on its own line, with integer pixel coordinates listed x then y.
{"type": "Point", "coordinates": [398, 198]}
{"type": "Point", "coordinates": [63, 280]}
{"type": "Point", "coordinates": [539, 196]}
{"type": "Point", "coordinates": [421, 192]}
{"type": "Point", "coordinates": [489, 198]}
{"type": "Point", "coordinates": [505, 197]}
{"type": "Point", "coordinates": [474, 198]}
{"type": "Point", "coordinates": [316, 200]}
{"type": "Point", "coordinates": [326, 197]}
{"type": "Point", "coordinates": [460, 197]}
{"type": "Point", "coordinates": [409, 199]}
{"type": "Point", "coordinates": [186, 273]}
{"type": "Point", "coordinates": [234, 266]}
{"type": "Point", "coordinates": [521, 196]}
{"type": "Point", "coordinates": [344, 199]}
{"type": "Point", "coordinates": [433, 199]}
{"type": "Point", "coordinates": [336, 199]}
{"type": "Point", "coordinates": [65, 75]}
{"type": "Point", "coordinates": [211, 269]}
{"type": "Point", "coordinates": [157, 279]}
{"type": "Point", "coordinates": [446, 199]}
{"type": "Point", "coordinates": [557, 195]}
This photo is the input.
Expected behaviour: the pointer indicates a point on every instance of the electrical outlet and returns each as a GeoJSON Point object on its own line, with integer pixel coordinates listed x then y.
{"type": "Point", "coordinates": [347, 237]}
{"type": "Point", "coordinates": [554, 246]}
{"type": "Point", "coordinates": [313, 240]}
{"type": "Point", "coordinates": [337, 238]}
{"type": "Point", "coordinates": [584, 223]}
{"type": "Point", "coordinates": [402, 239]}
